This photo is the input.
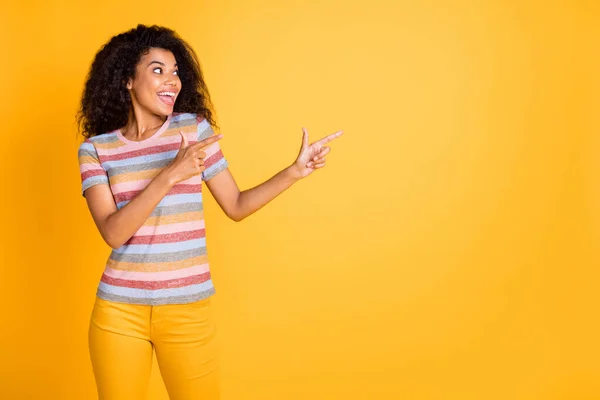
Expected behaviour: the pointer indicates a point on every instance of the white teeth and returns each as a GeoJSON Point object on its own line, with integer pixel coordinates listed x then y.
{"type": "Point", "coordinates": [172, 94]}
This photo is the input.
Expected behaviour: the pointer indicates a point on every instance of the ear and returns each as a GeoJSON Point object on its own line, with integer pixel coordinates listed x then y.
{"type": "Point", "coordinates": [129, 84]}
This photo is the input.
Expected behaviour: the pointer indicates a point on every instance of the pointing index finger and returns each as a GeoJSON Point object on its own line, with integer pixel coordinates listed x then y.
{"type": "Point", "coordinates": [207, 141]}
{"type": "Point", "coordinates": [329, 138]}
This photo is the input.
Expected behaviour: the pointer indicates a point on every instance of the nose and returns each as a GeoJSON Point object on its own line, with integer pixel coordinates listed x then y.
{"type": "Point", "coordinates": [171, 80]}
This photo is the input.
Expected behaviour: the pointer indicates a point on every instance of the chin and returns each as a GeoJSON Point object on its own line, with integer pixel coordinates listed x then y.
{"type": "Point", "coordinates": [167, 109]}
{"type": "Point", "coordinates": [163, 111]}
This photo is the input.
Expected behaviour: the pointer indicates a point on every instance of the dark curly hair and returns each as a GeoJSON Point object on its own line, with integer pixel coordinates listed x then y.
{"type": "Point", "coordinates": [105, 102]}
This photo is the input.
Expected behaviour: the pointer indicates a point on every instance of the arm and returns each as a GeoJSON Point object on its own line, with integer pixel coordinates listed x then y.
{"type": "Point", "coordinates": [118, 226]}
{"type": "Point", "coordinates": [238, 205]}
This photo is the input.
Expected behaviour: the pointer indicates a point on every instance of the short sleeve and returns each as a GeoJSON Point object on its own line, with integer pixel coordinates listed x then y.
{"type": "Point", "coordinates": [92, 172]}
{"type": "Point", "coordinates": [214, 162]}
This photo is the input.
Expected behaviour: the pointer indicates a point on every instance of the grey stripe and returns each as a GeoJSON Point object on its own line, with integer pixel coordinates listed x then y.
{"type": "Point", "coordinates": [208, 132]}
{"type": "Point", "coordinates": [105, 138]}
{"type": "Point", "coordinates": [87, 152]}
{"type": "Point", "coordinates": [161, 257]}
{"type": "Point", "coordinates": [94, 180]}
{"type": "Point", "coordinates": [213, 172]}
{"type": "Point", "coordinates": [114, 171]}
{"type": "Point", "coordinates": [157, 301]}
{"type": "Point", "coordinates": [182, 120]}
{"type": "Point", "coordinates": [177, 209]}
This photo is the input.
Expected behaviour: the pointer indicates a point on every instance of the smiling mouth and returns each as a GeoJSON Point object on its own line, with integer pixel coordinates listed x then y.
{"type": "Point", "coordinates": [167, 97]}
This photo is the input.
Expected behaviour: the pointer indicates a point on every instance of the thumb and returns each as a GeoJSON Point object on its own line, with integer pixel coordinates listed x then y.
{"type": "Point", "coordinates": [184, 141]}
{"type": "Point", "coordinates": [304, 138]}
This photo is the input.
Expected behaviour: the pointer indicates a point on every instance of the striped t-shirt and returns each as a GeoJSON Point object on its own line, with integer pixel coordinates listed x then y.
{"type": "Point", "coordinates": [165, 261]}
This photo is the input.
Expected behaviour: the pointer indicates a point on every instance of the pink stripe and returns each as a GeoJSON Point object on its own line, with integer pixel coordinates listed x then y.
{"type": "Point", "coordinates": [130, 186]}
{"type": "Point", "coordinates": [158, 144]}
{"type": "Point", "coordinates": [115, 154]}
{"type": "Point", "coordinates": [194, 180]}
{"type": "Point", "coordinates": [165, 140]}
{"type": "Point", "coordinates": [155, 285]}
{"type": "Point", "coordinates": [164, 229]}
{"type": "Point", "coordinates": [212, 150]}
{"type": "Point", "coordinates": [156, 276]}
{"type": "Point", "coordinates": [89, 167]}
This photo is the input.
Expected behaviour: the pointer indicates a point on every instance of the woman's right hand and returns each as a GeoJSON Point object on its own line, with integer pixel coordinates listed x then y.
{"type": "Point", "coordinates": [189, 160]}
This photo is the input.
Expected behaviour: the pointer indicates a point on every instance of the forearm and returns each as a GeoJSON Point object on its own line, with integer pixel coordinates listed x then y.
{"type": "Point", "coordinates": [251, 200]}
{"type": "Point", "coordinates": [120, 226]}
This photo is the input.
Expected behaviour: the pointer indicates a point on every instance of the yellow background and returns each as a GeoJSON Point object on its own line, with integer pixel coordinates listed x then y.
{"type": "Point", "coordinates": [448, 251]}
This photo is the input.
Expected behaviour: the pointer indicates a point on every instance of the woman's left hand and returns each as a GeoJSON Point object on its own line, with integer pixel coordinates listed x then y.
{"type": "Point", "coordinates": [312, 157]}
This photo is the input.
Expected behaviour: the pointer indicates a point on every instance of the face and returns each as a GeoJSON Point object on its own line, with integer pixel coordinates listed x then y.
{"type": "Point", "coordinates": [156, 83]}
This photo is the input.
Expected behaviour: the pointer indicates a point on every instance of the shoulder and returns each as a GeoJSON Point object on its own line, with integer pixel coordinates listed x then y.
{"type": "Point", "coordinates": [179, 120]}
{"type": "Point", "coordinates": [185, 118]}
{"type": "Point", "coordinates": [198, 118]}
{"type": "Point", "coordinates": [86, 148]}
{"type": "Point", "coordinates": [90, 144]}
{"type": "Point", "coordinates": [186, 121]}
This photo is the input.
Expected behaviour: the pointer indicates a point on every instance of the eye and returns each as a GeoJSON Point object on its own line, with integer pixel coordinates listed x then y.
{"type": "Point", "coordinates": [176, 72]}
{"type": "Point", "coordinates": [157, 69]}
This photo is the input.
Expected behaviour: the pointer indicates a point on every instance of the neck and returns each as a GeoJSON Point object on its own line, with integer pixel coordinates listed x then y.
{"type": "Point", "coordinates": [141, 124]}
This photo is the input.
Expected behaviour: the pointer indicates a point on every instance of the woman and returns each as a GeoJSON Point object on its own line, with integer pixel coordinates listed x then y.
{"type": "Point", "coordinates": [149, 148]}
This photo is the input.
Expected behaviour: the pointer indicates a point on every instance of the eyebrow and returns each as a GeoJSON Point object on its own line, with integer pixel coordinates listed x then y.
{"type": "Point", "coordinates": [158, 62]}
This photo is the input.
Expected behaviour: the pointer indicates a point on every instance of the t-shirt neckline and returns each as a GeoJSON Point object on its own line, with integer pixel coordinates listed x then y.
{"type": "Point", "coordinates": [156, 134]}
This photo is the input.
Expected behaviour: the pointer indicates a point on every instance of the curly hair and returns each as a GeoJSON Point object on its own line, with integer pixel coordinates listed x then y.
{"type": "Point", "coordinates": [105, 103]}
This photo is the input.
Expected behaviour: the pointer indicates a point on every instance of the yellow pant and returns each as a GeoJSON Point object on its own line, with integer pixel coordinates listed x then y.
{"type": "Point", "coordinates": [123, 336]}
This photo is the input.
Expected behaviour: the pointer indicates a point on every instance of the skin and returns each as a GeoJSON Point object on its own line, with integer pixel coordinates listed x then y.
{"type": "Point", "coordinates": [157, 72]}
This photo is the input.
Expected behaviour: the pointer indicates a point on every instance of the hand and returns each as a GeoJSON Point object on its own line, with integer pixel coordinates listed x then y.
{"type": "Point", "coordinates": [189, 160]}
{"type": "Point", "coordinates": [312, 157]}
